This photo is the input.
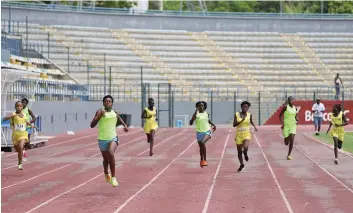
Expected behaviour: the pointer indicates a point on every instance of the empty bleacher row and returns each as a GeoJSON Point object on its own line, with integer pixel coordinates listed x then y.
{"type": "Point", "coordinates": [44, 80]}
{"type": "Point", "coordinates": [237, 61]}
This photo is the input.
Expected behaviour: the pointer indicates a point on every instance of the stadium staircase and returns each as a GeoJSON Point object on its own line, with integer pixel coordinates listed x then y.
{"type": "Point", "coordinates": [229, 63]}
{"type": "Point", "coordinates": [307, 55]}
{"type": "Point", "coordinates": [162, 68]}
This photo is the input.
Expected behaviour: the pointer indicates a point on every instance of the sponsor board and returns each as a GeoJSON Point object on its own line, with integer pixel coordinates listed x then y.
{"type": "Point", "coordinates": [306, 116]}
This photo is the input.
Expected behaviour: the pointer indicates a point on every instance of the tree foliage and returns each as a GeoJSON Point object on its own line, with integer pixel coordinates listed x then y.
{"type": "Point", "coordinates": [232, 5]}
{"type": "Point", "coordinates": [266, 6]}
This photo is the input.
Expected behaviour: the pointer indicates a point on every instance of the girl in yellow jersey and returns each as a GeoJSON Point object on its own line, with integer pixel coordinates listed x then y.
{"type": "Point", "coordinates": [19, 134]}
{"type": "Point", "coordinates": [242, 121]}
{"type": "Point", "coordinates": [203, 129]}
{"type": "Point", "coordinates": [289, 124]}
{"type": "Point", "coordinates": [108, 141]}
{"type": "Point", "coordinates": [338, 121]}
{"type": "Point", "coordinates": [151, 126]}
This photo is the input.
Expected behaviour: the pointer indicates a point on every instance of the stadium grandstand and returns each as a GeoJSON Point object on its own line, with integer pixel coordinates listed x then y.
{"type": "Point", "coordinates": [225, 64]}
{"type": "Point", "coordinates": [65, 56]}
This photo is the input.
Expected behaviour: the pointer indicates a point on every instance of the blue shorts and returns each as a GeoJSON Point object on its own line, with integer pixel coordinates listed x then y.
{"type": "Point", "coordinates": [201, 135]}
{"type": "Point", "coordinates": [104, 144]}
{"type": "Point", "coordinates": [317, 121]}
{"type": "Point", "coordinates": [29, 130]}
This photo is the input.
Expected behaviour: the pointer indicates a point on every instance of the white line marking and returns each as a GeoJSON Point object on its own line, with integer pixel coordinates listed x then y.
{"type": "Point", "coordinates": [72, 189]}
{"type": "Point", "coordinates": [274, 177]}
{"type": "Point", "coordinates": [53, 198]}
{"type": "Point", "coordinates": [11, 167]}
{"type": "Point", "coordinates": [74, 139]}
{"type": "Point", "coordinates": [93, 144]}
{"type": "Point", "coordinates": [157, 176]}
{"type": "Point", "coordinates": [72, 149]}
{"type": "Point", "coordinates": [323, 169]}
{"type": "Point", "coordinates": [215, 177]}
{"type": "Point", "coordinates": [329, 146]}
{"type": "Point", "coordinates": [125, 144]}
{"type": "Point", "coordinates": [162, 142]}
{"type": "Point", "coordinates": [36, 176]}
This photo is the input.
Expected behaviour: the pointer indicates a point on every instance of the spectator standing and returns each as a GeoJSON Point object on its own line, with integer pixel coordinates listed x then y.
{"type": "Point", "coordinates": [338, 83]}
{"type": "Point", "coordinates": [318, 110]}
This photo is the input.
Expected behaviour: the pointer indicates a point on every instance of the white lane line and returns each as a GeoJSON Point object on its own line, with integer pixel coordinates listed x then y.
{"type": "Point", "coordinates": [290, 210]}
{"type": "Point", "coordinates": [323, 169]}
{"type": "Point", "coordinates": [149, 183]}
{"type": "Point", "coordinates": [72, 189]}
{"type": "Point", "coordinates": [36, 176]}
{"type": "Point", "coordinates": [329, 146]}
{"type": "Point", "coordinates": [214, 178]}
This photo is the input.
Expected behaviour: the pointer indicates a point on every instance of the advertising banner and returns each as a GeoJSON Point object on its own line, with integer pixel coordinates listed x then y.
{"type": "Point", "coordinates": [306, 116]}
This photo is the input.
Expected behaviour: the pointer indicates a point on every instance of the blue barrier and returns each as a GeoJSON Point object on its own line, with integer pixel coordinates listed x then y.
{"type": "Point", "coordinates": [38, 123]}
{"type": "Point", "coordinates": [5, 123]}
{"type": "Point", "coordinates": [179, 123]}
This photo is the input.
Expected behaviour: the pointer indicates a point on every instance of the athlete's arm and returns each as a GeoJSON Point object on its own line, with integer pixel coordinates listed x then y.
{"type": "Point", "coordinates": [193, 118]}
{"type": "Point", "coordinates": [9, 117]}
{"type": "Point", "coordinates": [29, 124]}
{"type": "Point", "coordinates": [235, 122]}
{"type": "Point", "coordinates": [252, 123]}
{"type": "Point", "coordinates": [329, 127]}
{"type": "Point", "coordinates": [281, 114]}
{"type": "Point", "coordinates": [212, 124]}
{"type": "Point", "coordinates": [32, 115]}
{"type": "Point", "coordinates": [122, 122]}
{"type": "Point", "coordinates": [96, 118]}
{"type": "Point", "coordinates": [345, 123]}
{"type": "Point", "coordinates": [144, 113]}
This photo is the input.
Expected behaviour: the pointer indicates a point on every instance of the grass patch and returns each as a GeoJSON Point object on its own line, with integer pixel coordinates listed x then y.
{"type": "Point", "coordinates": [347, 143]}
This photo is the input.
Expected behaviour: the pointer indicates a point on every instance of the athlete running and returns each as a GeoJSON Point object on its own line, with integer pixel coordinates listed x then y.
{"type": "Point", "coordinates": [338, 121]}
{"type": "Point", "coordinates": [18, 121]}
{"type": "Point", "coordinates": [151, 126]}
{"type": "Point", "coordinates": [108, 140]}
{"type": "Point", "coordinates": [203, 129]}
{"type": "Point", "coordinates": [242, 121]}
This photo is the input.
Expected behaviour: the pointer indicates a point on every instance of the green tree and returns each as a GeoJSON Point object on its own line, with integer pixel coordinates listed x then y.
{"type": "Point", "coordinates": [116, 4]}
{"type": "Point", "coordinates": [340, 7]}
{"type": "Point", "coordinates": [267, 7]}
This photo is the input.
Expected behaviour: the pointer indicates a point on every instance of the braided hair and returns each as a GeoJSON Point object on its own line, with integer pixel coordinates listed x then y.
{"type": "Point", "coordinates": [201, 102]}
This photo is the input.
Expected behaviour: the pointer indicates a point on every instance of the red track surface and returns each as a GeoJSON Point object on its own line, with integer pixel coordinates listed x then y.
{"type": "Point", "coordinates": [66, 176]}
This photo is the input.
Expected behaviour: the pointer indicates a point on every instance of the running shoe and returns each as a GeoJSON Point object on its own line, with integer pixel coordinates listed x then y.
{"type": "Point", "coordinates": [114, 182]}
{"type": "Point", "coordinates": [336, 161]}
{"type": "Point", "coordinates": [289, 157]}
{"type": "Point", "coordinates": [204, 163]}
{"type": "Point", "coordinates": [241, 167]}
{"type": "Point", "coordinates": [20, 167]}
{"type": "Point", "coordinates": [108, 177]}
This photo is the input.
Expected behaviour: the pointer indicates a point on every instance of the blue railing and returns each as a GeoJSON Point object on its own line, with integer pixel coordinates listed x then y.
{"type": "Point", "coordinates": [14, 45]}
{"type": "Point", "coordinates": [58, 7]}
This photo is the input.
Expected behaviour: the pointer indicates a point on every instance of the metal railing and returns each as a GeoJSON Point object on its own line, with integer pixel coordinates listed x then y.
{"type": "Point", "coordinates": [70, 8]}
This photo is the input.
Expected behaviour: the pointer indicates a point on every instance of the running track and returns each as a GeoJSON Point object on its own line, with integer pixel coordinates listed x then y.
{"type": "Point", "coordinates": [66, 176]}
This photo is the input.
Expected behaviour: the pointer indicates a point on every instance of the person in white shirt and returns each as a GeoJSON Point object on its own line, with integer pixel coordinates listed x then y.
{"type": "Point", "coordinates": [318, 110]}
